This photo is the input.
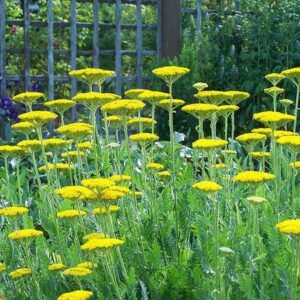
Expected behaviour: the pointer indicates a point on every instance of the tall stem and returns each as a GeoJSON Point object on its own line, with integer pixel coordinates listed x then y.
{"type": "Point", "coordinates": [296, 106]}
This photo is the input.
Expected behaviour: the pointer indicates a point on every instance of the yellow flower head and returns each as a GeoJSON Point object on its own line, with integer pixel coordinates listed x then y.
{"type": "Point", "coordinates": [70, 214]}
{"type": "Point", "coordinates": [76, 131]}
{"type": "Point", "coordinates": [59, 167]}
{"type": "Point", "coordinates": [23, 127]}
{"type": "Point", "coordinates": [295, 164]}
{"type": "Point", "coordinates": [92, 75]}
{"type": "Point", "coordinates": [77, 272]}
{"type": "Point", "coordinates": [200, 86]}
{"type": "Point", "coordinates": [111, 195]}
{"type": "Point", "coordinates": [229, 152]}
{"type": "Point", "coordinates": [123, 189]}
{"type": "Point", "coordinates": [286, 102]}
{"type": "Point", "coordinates": [114, 121]}
{"type": "Point", "coordinates": [144, 122]}
{"type": "Point", "coordinates": [250, 137]}
{"type": "Point", "coordinates": [56, 267]}
{"type": "Point", "coordinates": [235, 97]}
{"type": "Point", "coordinates": [2, 267]}
{"type": "Point", "coordinates": [101, 244]}
{"type": "Point", "coordinates": [95, 235]}
{"type": "Point", "coordinates": [219, 166]}
{"type": "Point", "coordinates": [94, 99]}
{"type": "Point", "coordinates": [154, 166]}
{"type": "Point", "coordinates": [12, 151]}
{"type": "Point", "coordinates": [20, 273]}
{"type": "Point", "coordinates": [38, 117]}
{"type": "Point", "coordinates": [123, 107]}
{"type": "Point", "coordinates": [103, 210]}
{"type": "Point", "coordinates": [28, 97]}
{"type": "Point", "coordinates": [209, 144]}
{"type": "Point", "coordinates": [273, 119]}
{"type": "Point", "coordinates": [153, 96]}
{"type": "Point", "coordinates": [13, 211]}
{"type": "Point", "coordinates": [260, 154]}
{"type": "Point", "coordinates": [170, 73]}
{"type": "Point", "coordinates": [134, 93]}
{"type": "Point", "coordinates": [30, 145]}
{"type": "Point", "coordinates": [24, 234]}
{"type": "Point", "coordinates": [60, 105]}
{"type": "Point", "coordinates": [85, 146]}
{"type": "Point", "coordinates": [73, 153]}
{"type": "Point", "coordinates": [207, 186]}
{"type": "Point", "coordinates": [173, 103]}
{"type": "Point", "coordinates": [291, 142]}
{"type": "Point", "coordinates": [226, 110]}
{"type": "Point", "coordinates": [164, 174]}
{"type": "Point", "coordinates": [212, 97]}
{"type": "Point", "coordinates": [292, 74]}
{"type": "Point", "coordinates": [76, 295]}
{"type": "Point", "coordinates": [77, 193]}
{"type": "Point", "coordinates": [97, 184]}
{"type": "Point", "coordinates": [87, 265]}
{"type": "Point", "coordinates": [274, 91]}
{"type": "Point", "coordinates": [144, 138]}
{"type": "Point", "coordinates": [253, 177]}
{"type": "Point", "coordinates": [274, 78]}
{"type": "Point", "coordinates": [55, 144]}
{"type": "Point", "coordinates": [200, 110]}
{"type": "Point", "coordinates": [289, 226]}
{"type": "Point", "coordinates": [256, 199]}
{"type": "Point", "coordinates": [119, 178]}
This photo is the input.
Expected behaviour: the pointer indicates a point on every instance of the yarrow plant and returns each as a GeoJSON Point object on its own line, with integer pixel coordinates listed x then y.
{"type": "Point", "coordinates": [102, 208]}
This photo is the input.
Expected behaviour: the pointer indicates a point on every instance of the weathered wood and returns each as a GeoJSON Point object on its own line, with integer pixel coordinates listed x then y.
{"type": "Point", "coordinates": [123, 1]}
{"type": "Point", "coordinates": [159, 29]}
{"type": "Point", "coordinates": [2, 47]}
{"type": "Point", "coordinates": [26, 45]}
{"type": "Point", "coordinates": [170, 28]}
{"type": "Point", "coordinates": [96, 34]}
{"type": "Point", "coordinates": [199, 16]}
{"type": "Point", "coordinates": [73, 54]}
{"type": "Point", "coordinates": [50, 50]}
{"type": "Point", "coordinates": [139, 44]}
{"type": "Point", "coordinates": [118, 55]}
{"type": "Point", "coordinates": [82, 52]}
{"type": "Point", "coordinates": [58, 24]}
{"type": "Point", "coordinates": [238, 5]}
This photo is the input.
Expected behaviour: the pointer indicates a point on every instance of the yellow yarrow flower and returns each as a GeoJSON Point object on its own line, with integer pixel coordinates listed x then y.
{"type": "Point", "coordinates": [30, 145]}
{"type": "Point", "coordinates": [154, 166]}
{"type": "Point", "coordinates": [76, 131]}
{"type": "Point", "coordinates": [23, 127]}
{"type": "Point", "coordinates": [144, 138]}
{"type": "Point", "coordinates": [70, 214]}
{"type": "Point", "coordinates": [97, 184]}
{"type": "Point", "coordinates": [76, 295]}
{"type": "Point", "coordinates": [289, 226]}
{"type": "Point", "coordinates": [2, 267]}
{"type": "Point", "coordinates": [13, 211]}
{"type": "Point", "coordinates": [119, 178]}
{"type": "Point", "coordinates": [87, 265]}
{"type": "Point", "coordinates": [12, 151]}
{"type": "Point", "coordinates": [209, 144]}
{"type": "Point", "coordinates": [256, 199]}
{"type": "Point", "coordinates": [226, 110]}
{"type": "Point", "coordinates": [111, 195]}
{"type": "Point", "coordinates": [22, 272]}
{"type": "Point", "coordinates": [134, 93]}
{"type": "Point", "coordinates": [274, 78]}
{"type": "Point", "coordinates": [77, 272]}
{"type": "Point", "coordinates": [295, 164]}
{"type": "Point", "coordinates": [103, 210]}
{"type": "Point", "coordinates": [153, 97]}
{"type": "Point", "coordinates": [77, 193]}
{"type": "Point", "coordinates": [292, 74]}
{"type": "Point", "coordinates": [170, 73]}
{"type": "Point", "coordinates": [73, 153]}
{"type": "Point", "coordinates": [200, 110]}
{"type": "Point", "coordinates": [24, 234]}
{"type": "Point", "coordinates": [212, 97]}
{"type": "Point", "coordinates": [207, 186]}
{"type": "Point", "coordinates": [56, 267]}
{"type": "Point", "coordinates": [291, 142]}
{"type": "Point", "coordinates": [59, 167]}
{"type": "Point", "coordinates": [235, 97]}
{"type": "Point", "coordinates": [92, 75]}
{"type": "Point", "coordinates": [38, 117]}
{"type": "Point", "coordinates": [85, 146]}
{"type": "Point", "coordinates": [55, 144]}
{"type": "Point", "coordinates": [274, 91]}
{"type": "Point", "coordinates": [123, 107]}
{"type": "Point", "coordinates": [144, 122]}
{"type": "Point", "coordinates": [28, 98]}
{"type": "Point", "coordinates": [101, 244]}
{"type": "Point", "coordinates": [286, 102]}
{"type": "Point", "coordinates": [273, 119]}
{"type": "Point", "coordinates": [164, 174]}
{"type": "Point", "coordinates": [95, 235]}
{"type": "Point", "coordinates": [95, 99]}
{"type": "Point", "coordinates": [200, 86]}
{"type": "Point", "coordinates": [253, 177]}
{"type": "Point", "coordinates": [60, 105]}
{"type": "Point", "coordinates": [250, 137]}
{"type": "Point", "coordinates": [260, 154]}
{"type": "Point", "coordinates": [173, 103]}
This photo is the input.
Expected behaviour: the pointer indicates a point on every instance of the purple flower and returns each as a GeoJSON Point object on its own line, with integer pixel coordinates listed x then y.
{"type": "Point", "coordinates": [36, 87]}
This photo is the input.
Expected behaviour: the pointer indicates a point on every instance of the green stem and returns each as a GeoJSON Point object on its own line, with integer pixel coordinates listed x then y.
{"type": "Point", "coordinates": [19, 181]}
{"type": "Point", "coordinates": [296, 106]}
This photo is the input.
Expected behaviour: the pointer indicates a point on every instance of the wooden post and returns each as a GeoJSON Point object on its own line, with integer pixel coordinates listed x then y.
{"type": "Point", "coordinates": [2, 47]}
{"type": "Point", "coordinates": [118, 49]}
{"type": "Point", "coordinates": [170, 28]}
{"type": "Point", "coordinates": [26, 45]}
{"type": "Point", "coordinates": [50, 50]}
{"type": "Point", "coordinates": [199, 16]}
{"type": "Point", "coordinates": [96, 34]}
{"type": "Point", "coordinates": [139, 43]}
